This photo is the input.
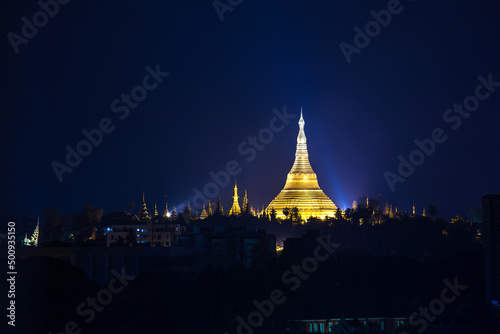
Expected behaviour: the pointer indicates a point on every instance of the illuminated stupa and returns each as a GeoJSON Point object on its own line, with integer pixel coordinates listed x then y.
{"type": "Point", "coordinates": [301, 188]}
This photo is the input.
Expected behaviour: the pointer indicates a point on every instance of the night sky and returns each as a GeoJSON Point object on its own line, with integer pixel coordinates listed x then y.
{"type": "Point", "coordinates": [225, 78]}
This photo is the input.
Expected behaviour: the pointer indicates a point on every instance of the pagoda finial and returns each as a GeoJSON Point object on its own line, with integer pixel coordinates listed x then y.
{"type": "Point", "coordinates": [301, 138]}
{"type": "Point", "coordinates": [143, 197]}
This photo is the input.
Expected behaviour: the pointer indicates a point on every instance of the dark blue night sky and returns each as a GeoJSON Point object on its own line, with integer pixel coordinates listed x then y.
{"type": "Point", "coordinates": [225, 78]}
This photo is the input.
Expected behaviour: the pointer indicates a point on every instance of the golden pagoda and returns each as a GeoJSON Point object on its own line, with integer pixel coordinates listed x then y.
{"type": "Point", "coordinates": [301, 188]}
{"type": "Point", "coordinates": [235, 209]}
{"type": "Point", "coordinates": [204, 213]}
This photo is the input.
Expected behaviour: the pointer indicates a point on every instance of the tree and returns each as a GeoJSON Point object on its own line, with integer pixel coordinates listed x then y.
{"type": "Point", "coordinates": [286, 211]}
{"type": "Point", "coordinates": [84, 222]}
{"type": "Point", "coordinates": [338, 214]}
{"type": "Point", "coordinates": [273, 215]}
{"type": "Point", "coordinates": [295, 214]}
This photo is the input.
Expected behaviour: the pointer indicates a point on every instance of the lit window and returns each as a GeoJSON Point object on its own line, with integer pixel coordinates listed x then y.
{"type": "Point", "coordinates": [322, 328]}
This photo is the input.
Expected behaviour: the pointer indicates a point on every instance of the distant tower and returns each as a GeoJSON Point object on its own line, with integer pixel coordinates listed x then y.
{"type": "Point", "coordinates": [209, 208]}
{"type": "Point", "coordinates": [156, 211]}
{"type": "Point", "coordinates": [354, 205]}
{"type": "Point", "coordinates": [386, 211]}
{"type": "Point", "coordinates": [203, 214]}
{"type": "Point", "coordinates": [143, 213]}
{"type": "Point", "coordinates": [33, 241]}
{"type": "Point", "coordinates": [244, 207]}
{"type": "Point", "coordinates": [188, 210]}
{"type": "Point", "coordinates": [165, 213]}
{"type": "Point", "coordinates": [414, 210]}
{"type": "Point", "coordinates": [367, 203]}
{"type": "Point", "coordinates": [219, 209]}
{"type": "Point", "coordinates": [391, 215]}
{"type": "Point", "coordinates": [235, 209]}
{"type": "Point", "coordinates": [423, 213]}
{"type": "Point", "coordinates": [34, 237]}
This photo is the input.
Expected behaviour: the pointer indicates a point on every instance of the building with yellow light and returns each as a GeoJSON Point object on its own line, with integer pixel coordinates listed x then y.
{"type": "Point", "coordinates": [301, 189]}
{"type": "Point", "coordinates": [235, 209]}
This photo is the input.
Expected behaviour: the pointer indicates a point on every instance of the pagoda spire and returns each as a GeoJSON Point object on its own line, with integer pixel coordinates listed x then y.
{"type": "Point", "coordinates": [244, 207]}
{"type": "Point", "coordinates": [143, 213]}
{"type": "Point", "coordinates": [235, 209]}
{"type": "Point", "coordinates": [203, 213]}
{"type": "Point", "coordinates": [165, 213]}
{"type": "Point", "coordinates": [156, 211]}
{"type": "Point", "coordinates": [219, 209]}
{"type": "Point", "coordinates": [33, 241]}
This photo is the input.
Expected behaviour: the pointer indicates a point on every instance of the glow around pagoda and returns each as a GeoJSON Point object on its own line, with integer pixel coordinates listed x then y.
{"type": "Point", "coordinates": [301, 188]}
